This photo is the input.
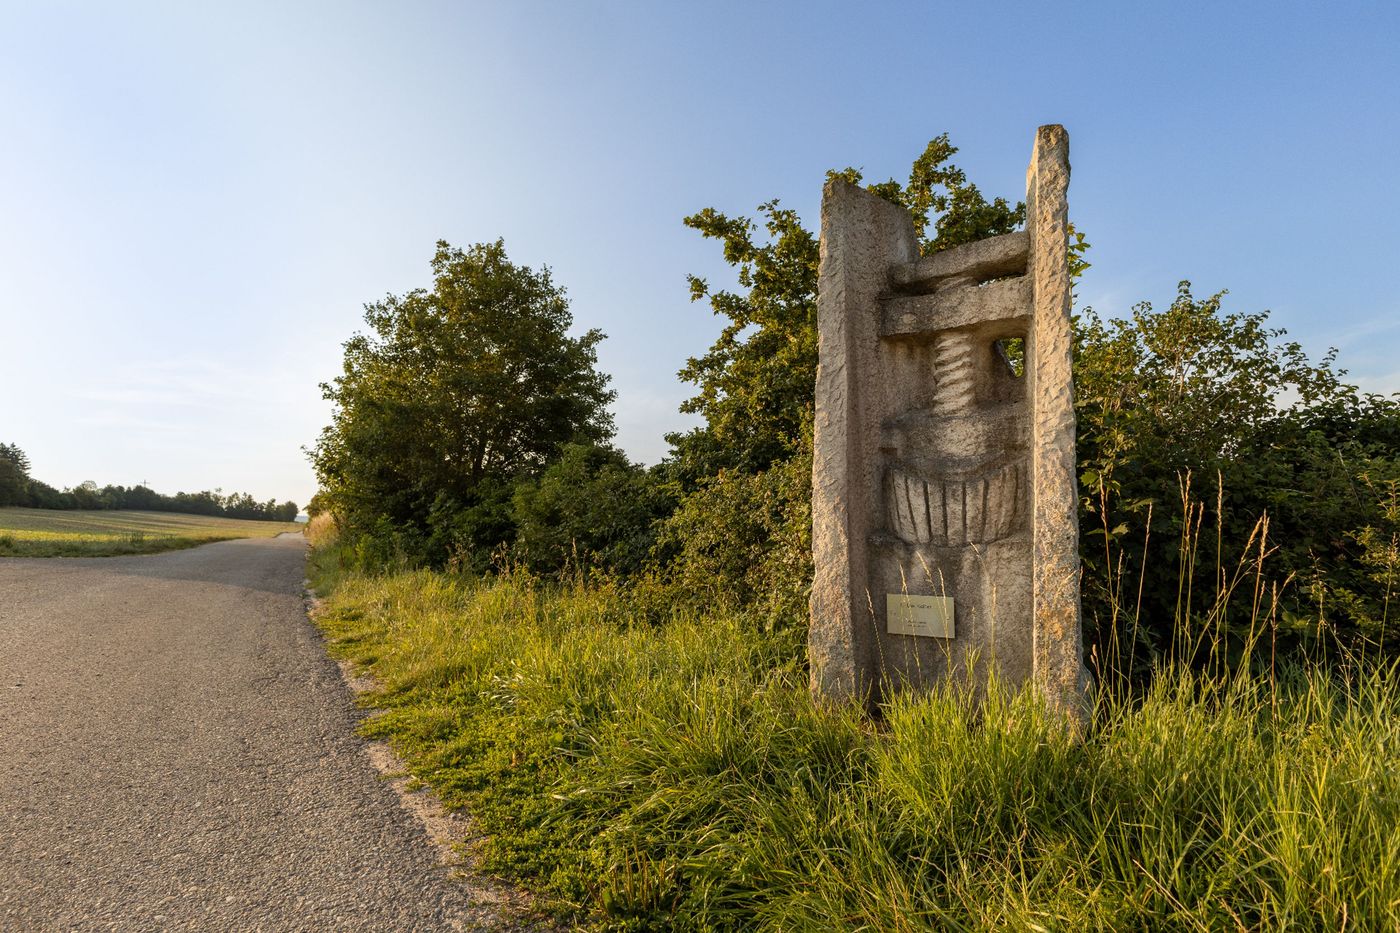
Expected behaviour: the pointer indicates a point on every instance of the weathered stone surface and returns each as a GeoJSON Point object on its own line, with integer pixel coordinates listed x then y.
{"type": "Point", "coordinates": [1059, 664]}
{"type": "Point", "coordinates": [986, 259]}
{"type": "Point", "coordinates": [939, 472]}
{"type": "Point", "coordinates": [1007, 301]}
{"type": "Point", "coordinates": [861, 235]}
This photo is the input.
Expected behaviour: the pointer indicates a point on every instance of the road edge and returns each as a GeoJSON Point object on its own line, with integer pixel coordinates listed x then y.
{"type": "Point", "coordinates": [451, 833]}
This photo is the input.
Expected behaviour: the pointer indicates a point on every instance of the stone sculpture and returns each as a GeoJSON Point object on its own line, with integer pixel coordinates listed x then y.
{"type": "Point", "coordinates": [944, 499]}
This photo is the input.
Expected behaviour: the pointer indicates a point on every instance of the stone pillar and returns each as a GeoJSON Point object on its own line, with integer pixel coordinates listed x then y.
{"type": "Point", "coordinates": [1059, 653]}
{"type": "Point", "coordinates": [862, 237]}
{"type": "Point", "coordinates": [944, 502]}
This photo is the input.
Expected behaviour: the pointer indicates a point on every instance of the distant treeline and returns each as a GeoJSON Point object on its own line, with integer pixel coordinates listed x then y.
{"type": "Point", "coordinates": [18, 488]}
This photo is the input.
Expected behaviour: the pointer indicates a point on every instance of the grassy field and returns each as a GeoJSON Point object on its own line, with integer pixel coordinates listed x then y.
{"type": "Point", "coordinates": [54, 533]}
{"type": "Point", "coordinates": [678, 776]}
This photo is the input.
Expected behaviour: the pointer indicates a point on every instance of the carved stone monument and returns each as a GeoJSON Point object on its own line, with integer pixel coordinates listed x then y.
{"type": "Point", "coordinates": [945, 524]}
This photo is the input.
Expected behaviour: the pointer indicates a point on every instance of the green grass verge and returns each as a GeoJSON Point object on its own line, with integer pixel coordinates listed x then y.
{"type": "Point", "coordinates": [107, 533]}
{"type": "Point", "coordinates": [680, 777]}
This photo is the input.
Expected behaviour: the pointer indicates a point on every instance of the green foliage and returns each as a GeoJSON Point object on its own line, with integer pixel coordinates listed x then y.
{"type": "Point", "coordinates": [744, 541]}
{"type": "Point", "coordinates": [318, 505]}
{"type": "Point", "coordinates": [939, 195]}
{"type": "Point", "coordinates": [453, 394]}
{"type": "Point", "coordinates": [644, 749]}
{"type": "Point", "coordinates": [756, 382]}
{"type": "Point", "coordinates": [14, 476]}
{"type": "Point", "coordinates": [681, 777]}
{"type": "Point", "coordinates": [1182, 412]}
{"type": "Point", "coordinates": [1193, 418]}
{"type": "Point", "coordinates": [1362, 589]}
{"type": "Point", "coordinates": [1189, 386]}
{"type": "Point", "coordinates": [590, 510]}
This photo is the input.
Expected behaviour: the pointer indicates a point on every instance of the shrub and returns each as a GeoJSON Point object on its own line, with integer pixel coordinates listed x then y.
{"type": "Point", "coordinates": [453, 394]}
{"type": "Point", "coordinates": [592, 509]}
{"type": "Point", "coordinates": [744, 540]}
{"type": "Point", "coordinates": [1194, 426]}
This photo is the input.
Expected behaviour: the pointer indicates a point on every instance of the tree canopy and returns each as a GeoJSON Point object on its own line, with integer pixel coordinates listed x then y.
{"type": "Point", "coordinates": [452, 394]}
{"type": "Point", "coordinates": [14, 475]}
{"type": "Point", "coordinates": [1190, 401]}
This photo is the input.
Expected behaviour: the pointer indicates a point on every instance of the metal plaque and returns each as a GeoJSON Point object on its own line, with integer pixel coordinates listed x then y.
{"type": "Point", "coordinates": [929, 616]}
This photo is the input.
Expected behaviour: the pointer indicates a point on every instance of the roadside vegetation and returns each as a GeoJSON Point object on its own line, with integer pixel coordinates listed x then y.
{"type": "Point", "coordinates": [46, 533]}
{"type": "Point", "coordinates": [678, 775]}
{"type": "Point", "coordinates": [606, 663]}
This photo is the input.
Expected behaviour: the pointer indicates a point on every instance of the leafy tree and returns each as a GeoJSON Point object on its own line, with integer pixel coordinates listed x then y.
{"type": "Point", "coordinates": [452, 394]}
{"type": "Point", "coordinates": [143, 497]}
{"type": "Point", "coordinates": [317, 505]}
{"type": "Point", "coordinates": [87, 495]}
{"type": "Point", "coordinates": [14, 475]}
{"type": "Point", "coordinates": [18, 488]}
{"type": "Point", "coordinates": [1187, 388]}
{"type": "Point", "coordinates": [1188, 401]}
{"type": "Point", "coordinates": [204, 502]}
{"type": "Point", "coordinates": [938, 194]}
{"type": "Point", "coordinates": [44, 496]}
{"type": "Point", "coordinates": [757, 380]}
{"type": "Point", "coordinates": [591, 509]}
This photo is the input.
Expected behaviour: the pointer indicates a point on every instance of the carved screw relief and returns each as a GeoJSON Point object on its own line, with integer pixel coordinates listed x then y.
{"type": "Point", "coordinates": [978, 503]}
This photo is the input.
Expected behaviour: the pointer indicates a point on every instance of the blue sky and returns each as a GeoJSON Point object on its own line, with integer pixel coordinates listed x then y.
{"type": "Point", "coordinates": [197, 199]}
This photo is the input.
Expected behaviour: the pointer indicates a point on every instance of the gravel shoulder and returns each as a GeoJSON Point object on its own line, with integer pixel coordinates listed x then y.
{"type": "Point", "coordinates": [180, 753]}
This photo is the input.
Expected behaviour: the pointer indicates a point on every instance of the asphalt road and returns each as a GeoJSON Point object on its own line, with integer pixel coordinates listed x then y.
{"type": "Point", "coordinates": [177, 752]}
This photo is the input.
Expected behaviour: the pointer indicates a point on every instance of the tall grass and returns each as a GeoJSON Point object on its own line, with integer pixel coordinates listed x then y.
{"type": "Point", "coordinates": [679, 776]}
{"type": "Point", "coordinates": [1229, 614]}
{"type": "Point", "coordinates": [320, 529]}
